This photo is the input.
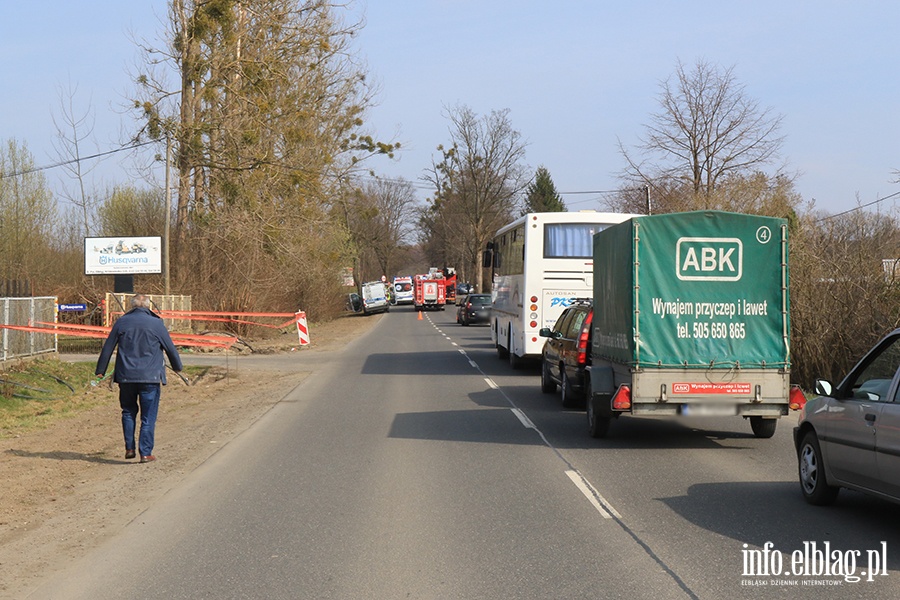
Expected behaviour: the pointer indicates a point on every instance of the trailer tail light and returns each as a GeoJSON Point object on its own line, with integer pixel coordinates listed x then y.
{"type": "Point", "coordinates": [796, 400]}
{"type": "Point", "coordinates": [581, 347]}
{"type": "Point", "coordinates": [622, 399]}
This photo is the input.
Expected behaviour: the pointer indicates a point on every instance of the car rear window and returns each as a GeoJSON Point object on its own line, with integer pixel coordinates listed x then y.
{"type": "Point", "coordinates": [575, 324]}
{"type": "Point", "coordinates": [480, 300]}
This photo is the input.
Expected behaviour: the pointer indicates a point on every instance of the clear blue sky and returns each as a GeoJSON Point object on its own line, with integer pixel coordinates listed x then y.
{"type": "Point", "coordinates": [575, 76]}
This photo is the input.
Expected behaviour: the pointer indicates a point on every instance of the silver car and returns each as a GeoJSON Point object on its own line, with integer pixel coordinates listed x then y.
{"type": "Point", "coordinates": [849, 436]}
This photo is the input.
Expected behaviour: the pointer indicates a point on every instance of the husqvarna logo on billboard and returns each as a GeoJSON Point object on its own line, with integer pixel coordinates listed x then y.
{"type": "Point", "coordinates": [709, 259]}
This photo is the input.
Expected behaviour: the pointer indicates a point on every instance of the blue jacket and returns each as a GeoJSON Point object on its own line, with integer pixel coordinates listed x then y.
{"type": "Point", "coordinates": [142, 338]}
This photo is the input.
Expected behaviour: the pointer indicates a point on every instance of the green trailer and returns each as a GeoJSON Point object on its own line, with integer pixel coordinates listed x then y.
{"type": "Point", "coordinates": [691, 319]}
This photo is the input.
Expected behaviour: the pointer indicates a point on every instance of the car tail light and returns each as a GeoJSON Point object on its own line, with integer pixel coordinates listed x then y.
{"type": "Point", "coordinates": [622, 399]}
{"type": "Point", "coordinates": [581, 347]}
{"type": "Point", "coordinates": [796, 400]}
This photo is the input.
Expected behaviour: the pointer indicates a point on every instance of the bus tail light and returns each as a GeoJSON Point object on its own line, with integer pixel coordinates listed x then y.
{"type": "Point", "coordinates": [622, 399]}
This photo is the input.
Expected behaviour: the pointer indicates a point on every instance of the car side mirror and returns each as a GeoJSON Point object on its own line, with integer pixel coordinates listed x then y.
{"type": "Point", "coordinates": [545, 332]}
{"type": "Point", "coordinates": [823, 387]}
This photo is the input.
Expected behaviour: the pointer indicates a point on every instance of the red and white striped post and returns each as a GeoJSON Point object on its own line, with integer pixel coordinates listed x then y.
{"type": "Point", "coordinates": [302, 328]}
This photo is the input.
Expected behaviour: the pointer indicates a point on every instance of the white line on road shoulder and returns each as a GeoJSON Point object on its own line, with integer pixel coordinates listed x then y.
{"type": "Point", "coordinates": [593, 496]}
{"type": "Point", "coordinates": [525, 420]}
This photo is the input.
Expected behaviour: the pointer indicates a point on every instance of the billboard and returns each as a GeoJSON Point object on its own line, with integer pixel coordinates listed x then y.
{"type": "Point", "coordinates": [122, 255]}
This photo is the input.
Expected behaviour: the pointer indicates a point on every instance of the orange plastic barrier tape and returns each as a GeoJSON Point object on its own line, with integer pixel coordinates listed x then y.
{"type": "Point", "coordinates": [224, 317]}
{"type": "Point", "coordinates": [94, 331]}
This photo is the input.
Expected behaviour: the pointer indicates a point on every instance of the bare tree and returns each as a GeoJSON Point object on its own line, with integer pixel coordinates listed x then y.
{"type": "Point", "coordinates": [72, 130]}
{"type": "Point", "coordinates": [381, 218]}
{"type": "Point", "coordinates": [266, 114]}
{"type": "Point", "coordinates": [27, 217]}
{"type": "Point", "coordinates": [707, 130]}
{"type": "Point", "coordinates": [845, 290]}
{"type": "Point", "coordinates": [478, 184]}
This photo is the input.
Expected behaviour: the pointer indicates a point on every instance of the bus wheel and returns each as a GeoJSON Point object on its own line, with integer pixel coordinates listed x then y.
{"type": "Point", "coordinates": [515, 361]}
{"type": "Point", "coordinates": [502, 353]}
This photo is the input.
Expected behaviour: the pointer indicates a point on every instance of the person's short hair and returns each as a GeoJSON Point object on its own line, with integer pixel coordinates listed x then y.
{"type": "Point", "coordinates": [140, 300]}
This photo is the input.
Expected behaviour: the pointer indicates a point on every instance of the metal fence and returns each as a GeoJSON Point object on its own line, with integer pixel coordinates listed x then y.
{"type": "Point", "coordinates": [24, 312]}
{"type": "Point", "coordinates": [116, 304]}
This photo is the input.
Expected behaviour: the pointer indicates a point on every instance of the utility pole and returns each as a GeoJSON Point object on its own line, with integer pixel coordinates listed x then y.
{"type": "Point", "coordinates": [168, 209]}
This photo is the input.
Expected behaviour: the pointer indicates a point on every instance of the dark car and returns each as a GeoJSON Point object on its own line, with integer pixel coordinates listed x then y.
{"type": "Point", "coordinates": [567, 352]}
{"type": "Point", "coordinates": [849, 436]}
{"type": "Point", "coordinates": [475, 308]}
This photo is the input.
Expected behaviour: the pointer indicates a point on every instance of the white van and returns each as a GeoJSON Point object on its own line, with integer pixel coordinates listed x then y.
{"type": "Point", "coordinates": [374, 298]}
{"type": "Point", "coordinates": [403, 290]}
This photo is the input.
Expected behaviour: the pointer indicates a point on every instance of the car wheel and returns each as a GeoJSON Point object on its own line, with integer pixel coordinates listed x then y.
{"type": "Point", "coordinates": [813, 483]}
{"type": "Point", "coordinates": [598, 427]}
{"type": "Point", "coordinates": [763, 428]}
{"type": "Point", "coordinates": [569, 397]}
{"type": "Point", "coordinates": [548, 386]}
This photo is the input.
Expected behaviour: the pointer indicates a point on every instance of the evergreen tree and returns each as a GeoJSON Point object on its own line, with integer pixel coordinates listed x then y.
{"type": "Point", "coordinates": [541, 195]}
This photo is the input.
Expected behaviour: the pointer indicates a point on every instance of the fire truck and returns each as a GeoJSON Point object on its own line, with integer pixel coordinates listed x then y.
{"type": "Point", "coordinates": [431, 293]}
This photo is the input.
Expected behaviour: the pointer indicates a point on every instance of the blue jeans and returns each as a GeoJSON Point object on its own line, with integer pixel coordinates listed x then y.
{"type": "Point", "coordinates": [148, 396]}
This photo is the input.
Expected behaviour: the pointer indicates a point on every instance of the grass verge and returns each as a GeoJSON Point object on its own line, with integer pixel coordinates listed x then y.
{"type": "Point", "coordinates": [35, 393]}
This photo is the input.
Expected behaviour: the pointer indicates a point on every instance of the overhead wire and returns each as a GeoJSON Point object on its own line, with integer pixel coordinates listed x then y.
{"type": "Point", "coordinates": [856, 208]}
{"type": "Point", "coordinates": [419, 185]}
{"type": "Point", "coordinates": [74, 160]}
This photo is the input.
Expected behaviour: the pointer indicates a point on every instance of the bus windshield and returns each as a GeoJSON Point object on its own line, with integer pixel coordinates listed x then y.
{"type": "Point", "coordinates": [570, 240]}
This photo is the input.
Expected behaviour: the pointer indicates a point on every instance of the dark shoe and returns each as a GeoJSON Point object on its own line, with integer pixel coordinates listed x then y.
{"type": "Point", "coordinates": [145, 459]}
{"type": "Point", "coordinates": [129, 453]}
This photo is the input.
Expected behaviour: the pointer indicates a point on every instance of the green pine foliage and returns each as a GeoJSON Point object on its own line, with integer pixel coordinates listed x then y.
{"type": "Point", "coordinates": [541, 195]}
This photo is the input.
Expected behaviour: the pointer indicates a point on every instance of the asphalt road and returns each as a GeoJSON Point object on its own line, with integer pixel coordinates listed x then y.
{"type": "Point", "coordinates": [421, 466]}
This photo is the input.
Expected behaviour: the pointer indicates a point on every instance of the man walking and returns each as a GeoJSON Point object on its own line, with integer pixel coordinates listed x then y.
{"type": "Point", "coordinates": [142, 338]}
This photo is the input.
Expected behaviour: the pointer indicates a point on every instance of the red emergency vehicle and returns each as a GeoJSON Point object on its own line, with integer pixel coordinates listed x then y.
{"type": "Point", "coordinates": [431, 294]}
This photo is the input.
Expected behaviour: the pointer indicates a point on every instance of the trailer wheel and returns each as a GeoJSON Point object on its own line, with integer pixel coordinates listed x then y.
{"type": "Point", "coordinates": [598, 427]}
{"type": "Point", "coordinates": [763, 428]}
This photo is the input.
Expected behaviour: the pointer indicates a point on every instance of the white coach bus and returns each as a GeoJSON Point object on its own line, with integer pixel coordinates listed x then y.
{"type": "Point", "coordinates": [539, 263]}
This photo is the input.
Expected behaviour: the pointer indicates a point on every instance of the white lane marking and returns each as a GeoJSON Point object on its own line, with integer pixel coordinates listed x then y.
{"type": "Point", "coordinates": [593, 496]}
{"type": "Point", "coordinates": [525, 420]}
{"type": "Point", "coordinates": [600, 503]}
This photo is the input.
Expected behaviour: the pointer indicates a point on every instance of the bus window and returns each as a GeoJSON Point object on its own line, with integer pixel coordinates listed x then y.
{"type": "Point", "coordinates": [570, 240]}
